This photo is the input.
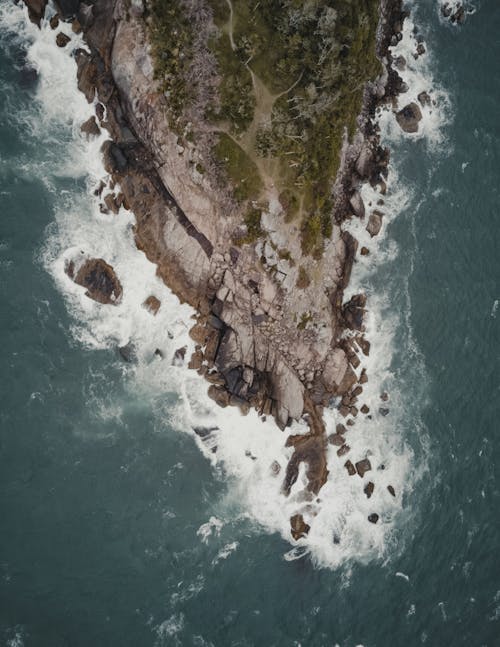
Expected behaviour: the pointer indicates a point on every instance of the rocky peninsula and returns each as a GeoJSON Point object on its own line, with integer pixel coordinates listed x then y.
{"type": "Point", "coordinates": [240, 134]}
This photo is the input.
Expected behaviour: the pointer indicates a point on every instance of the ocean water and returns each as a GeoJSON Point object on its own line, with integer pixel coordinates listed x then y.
{"type": "Point", "coordinates": [120, 526]}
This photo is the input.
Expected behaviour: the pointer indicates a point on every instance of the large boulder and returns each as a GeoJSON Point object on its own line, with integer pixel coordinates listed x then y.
{"type": "Point", "coordinates": [409, 117]}
{"type": "Point", "coordinates": [36, 10]}
{"type": "Point", "coordinates": [99, 278]}
{"type": "Point", "coordinates": [374, 223]}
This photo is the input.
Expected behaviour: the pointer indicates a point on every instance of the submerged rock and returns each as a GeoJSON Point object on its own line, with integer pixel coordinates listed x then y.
{"type": "Point", "coordinates": [409, 117]}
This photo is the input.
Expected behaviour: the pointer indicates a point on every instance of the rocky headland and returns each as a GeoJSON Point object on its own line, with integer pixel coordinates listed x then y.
{"type": "Point", "coordinates": [241, 172]}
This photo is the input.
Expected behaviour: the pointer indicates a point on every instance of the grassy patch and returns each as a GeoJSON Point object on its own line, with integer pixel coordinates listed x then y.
{"type": "Point", "coordinates": [240, 169]}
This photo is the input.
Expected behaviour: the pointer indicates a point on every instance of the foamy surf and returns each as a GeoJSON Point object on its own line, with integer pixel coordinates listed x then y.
{"type": "Point", "coordinates": [249, 453]}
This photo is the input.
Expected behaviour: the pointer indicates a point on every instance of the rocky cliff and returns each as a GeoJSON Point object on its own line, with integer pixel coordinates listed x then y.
{"type": "Point", "coordinates": [273, 330]}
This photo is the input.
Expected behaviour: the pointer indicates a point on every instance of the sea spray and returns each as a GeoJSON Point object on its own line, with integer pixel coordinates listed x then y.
{"type": "Point", "coordinates": [249, 453]}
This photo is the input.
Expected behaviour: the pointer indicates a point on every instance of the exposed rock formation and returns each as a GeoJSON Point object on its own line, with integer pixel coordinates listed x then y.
{"type": "Point", "coordinates": [98, 277]}
{"type": "Point", "coordinates": [261, 342]}
{"type": "Point", "coordinates": [408, 117]}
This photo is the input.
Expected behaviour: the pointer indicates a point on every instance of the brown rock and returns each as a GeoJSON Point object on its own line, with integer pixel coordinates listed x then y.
{"type": "Point", "coordinates": [36, 10]}
{"type": "Point", "coordinates": [100, 280]}
{"type": "Point", "coordinates": [373, 518]}
{"type": "Point", "coordinates": [342, 451]}
{"type": "Point", "coordinates": [152, 304]}
{"type": "Point", "coordinates": [90, 127]}
{"type": "Point", "coordinates": [424, 99]}
{"type": "Point", "coordinates": [340, 429]}
{"type": "Point", "coordinates": [76, 27]}
{"type": "Point", "coordinates": [368, 490]}
{"type": "Point", "coordinates": [199, 333]}
{"type": "Point", "coordinates": [374, 223]}
{"type": "Point", "coordinates": [179, 356]}
{"type": "Point", "coordinates": [420, 49]}
{"type": "Point", "coordinates": [357, 391]}
{"type": "Point", "coordinates": [350, 422]}
{"type": "Point", "coordinates": [219, 395]}
{"type": "Point", "coordinates": [364, 251]}
{"type": "Point", "coordinates": [309, 449]}
{"type": "Point", "coordinates": [409, 117]}
{"type": "Point", "coordinates": [344, 411]}
{"type": "Point", "coordinates": [62, 40]}
{"type": "Point", "coordinates": [363, 378]}
{"type": "Point", "coordinates": [363, 466]}
{"type": "Point", "coordinates": [299, 528]}
{"type": "Point", "coordinates": [365, 409]}
{"type": "Point", "coordinates": [54, 21]}
{"type": "Point", "coordinates": [336, 439]}
{"type": "Point", "coordinates": [351, 470]}
{"type": "Point", "coordinates": [391, 490]}
{"type": "Point", "coordinates": [196, 361]}
{"type": "Point", "coordinates": [99, 110]}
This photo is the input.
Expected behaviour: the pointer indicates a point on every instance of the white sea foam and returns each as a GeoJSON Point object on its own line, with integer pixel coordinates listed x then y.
{"type": "Point", "coordinates": [245, 450]}
{"type": "Point", "coordinates": [418, 76]}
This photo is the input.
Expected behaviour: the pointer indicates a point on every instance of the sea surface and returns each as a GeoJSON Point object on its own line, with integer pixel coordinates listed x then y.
{"type": "Point", "coordinates": [120, 526]}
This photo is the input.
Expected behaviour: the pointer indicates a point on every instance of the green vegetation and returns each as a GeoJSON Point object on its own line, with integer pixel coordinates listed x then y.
{"type": "Point", "coordinates": [254, 230]}
{"type": "Point", "coordinates": [305, 318]}
{"type": "Point", "coordinates": [292, 76]}
{"type": "Point", "coordinates": [240, 169]}
{"type": "Point", "coordinates": [171, 37]}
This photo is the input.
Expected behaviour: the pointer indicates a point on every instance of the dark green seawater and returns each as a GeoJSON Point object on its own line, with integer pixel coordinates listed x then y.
{"type": "Point", "coordinates": [99, 512]}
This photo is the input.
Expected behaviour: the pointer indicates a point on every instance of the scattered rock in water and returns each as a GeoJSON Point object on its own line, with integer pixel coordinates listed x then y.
{"type": "Point", "coordinates": [275, 468]}
{"type": "Point", "coordinates": [363, 466]}
{"type": "Point", "coordinates": [90, 127]}
{"type": "Point", "coordinates": [351, 422]}
{"type": "Point", "coordinates": [454, 11]}
{"type": "Point", "coordinates": [351, 470]}
{"type": "Point", "coordinates": [384, 396]}
{"type": "Point", "coordinates": [342, 451]}
{"type": "Point", "coordinates": [179, 356]}
{"type": "Point", "coordinates": [340, 429]}
{"type": "Point", "coordinates": [299, 528]}
{"type": "Point", "coordinates": [336, 439]}
{"type": "Point", "coordinates": [368, 489]}
{"type": "Point", "coordinates": [54, 21]}
{"type": "Point", "coordinates": [373, 518]}
{"type": "Point", "coordinates": [364, 251]}
{"type": "Point", "coordinates": [128, 352]}
{"type": "Point", "coordinates": [374, 223]}
{"type": "Point", "coordinates": [99, 278]}
{"type": "Point", "coordinates": [357, 205]}
{"type": "Point", "coordinates": [76, 26]}
{"type": "Point", "coordinates": [62, 40]}
{"type": "Point", "coordinates": [363, 378]}
{"type": "Point", "coordinates": [420, 50]}
{"type": "Point", "coordinates": [391, 490]}
{"type": "Point", "coordinates": [152, 304]}
{"type": "Point", "coordinates": [400, 63]}
{"type": "Point", "coordinates": [158, 353]}
{"type": "Point", "coordinates": [198, 334]}
{"type": "Point", "coordinates": [365, 409]}
{"type": "Point", "coordinates": [424, 98]}
{"type": "Point", "coordinates": [204, 432]}
{"type": "Point", "coordinates": [383, 411]}
{"type": "Point", "coordinates": [409, 117]}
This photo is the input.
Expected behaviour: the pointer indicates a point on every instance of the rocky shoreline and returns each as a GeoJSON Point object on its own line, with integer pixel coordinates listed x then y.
{"type": "Point", "coordinates": [261, 340]}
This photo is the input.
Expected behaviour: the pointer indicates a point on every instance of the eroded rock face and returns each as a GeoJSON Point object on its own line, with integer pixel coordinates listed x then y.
{"type": "Point", "coordinates": [99, 278]}
{"type": "Point", "coordinates": [409, 117]}
{"type": "Point", "coordinates": [90, 127]}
